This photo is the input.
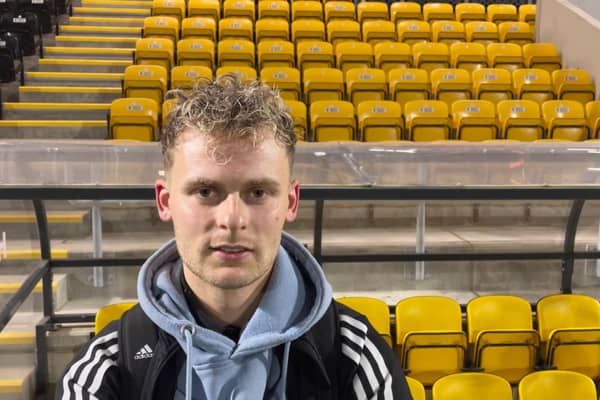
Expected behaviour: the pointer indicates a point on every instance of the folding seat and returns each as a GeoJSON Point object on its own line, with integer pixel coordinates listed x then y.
{"type": "Point", "coordinates": [376, 311]}
{"type": "Point", "coordinates": [275, 53]}
{"type": "Point", "coordinates": [236, 28]}
{"type": "Point", "coordinates": [307, 9]}
{"type": "Point", "coordinates": [171, 8]}
{"type": "Point", "coordinates": [471, 386]}
{"type": "Point", "coordinates": [109, 313]}
{"type": "Point", "coordinates": [450, 85]}
{"type": "Point", "coordinates": [469, 56]}
{"type": "Point", "coordinates": [272, 29]}
{"type": "Point", "coordinates": [239, 9]}
{"type": "Point", "coordinates": [429, 336]}
{"type": "Point", "coordinates": [307, 29]}
{"type": "Point", "coordinates": [557, 385]}
{"type": "Point", "coordinates": [335, 10]}
{"type": "Point", "coordinates": [417, 390]}
{"type": "Point", "coordinates": [204, 8]}
{"type": "Point", "coordinates": [332, 121]}
{"type": "Point", "coordinates": [482, 32]}
{"type": "Point", "coordinates": [447, 32]}
{"type": "Point", "coordinates": [350, 55]}
{"type": "Point", "coordinates": [501, 336]}
{"type": "Point", "coordinates": [154, 51]}
{"type": "Point", "coordinates": [297, 109]}
{"type": "Point", "coordinates": [133, 119]}
{"type": "Point", "coordinates": [542, 55]}
{"type": "Point", "coordinates": [405, 10]}
{"type": "Point", "coordinates": [285, 79]}
{"type": "Point", "coordinates": [438, 11]}
{"type": "Point", "coordinates": [231, 52]}
{"type": "Point", "coordinates": [274, 9]}
{"type": "Point", "coordinates": [466, 12]}
{"type": "Point", "coordinates": [527, 14]}
{"type": "Point", "coordinates": [376, 31]}
{"type": "Point", "coordinates": [25, 27]}
{"type": "Point", "coordinates": [379, 120]}
{"type": "Point", "coordinates": [187, 75]}
{"type": "Point", "coordinates": [430, 56]}
{"type": "Point", "coordinates": [426, 120]}
{"type": "Point", "coordinates": [148, 81]}
{"type": "Point", "coordinates": [515, 32]}
{"type": "Point", "coordinates": [371, 10]}
{"type": "Point", "coordinates": [161, 27]}
{"type": "Point", "coordinates": [314, 54]}
{"type": "Point", "coordinates": [167, 107]}
{"type": "Point", "coordinates": [493, 84]}
{"type": "Point", "coordinates": [412, 32]}
{"type": "Point", "coordinates": [407, 84]}
{"type": "Point", "coordinates": [569, 326]}
{"type": "Point", "coordinates": [474, 120]}
{"type": "Point", "coordinates": [533, 84]}
{"type": "Point", "coordinates": [565, 119]}
{"type": "Point", "coordinates": [505, 55]}
{"type": "Point", "coordinates": [11, 58]}
{"type": "Point", "coordinates": [498, 13]}
{"type": "Point", "coordinates": [520, 120]}
{"type": "Point", "coordinates": [246, 74]}
{"type": "Point", "coordinates": [199, 28]}
{"type": "Point", "coordinates": [365, 84]}
{"type": "Point", "coordinates": [323, 84]}
{"type": "Point", "coordinates": [43, 9]}
{"type": "Point", "coordinates": [196, 52]}
{"type": "Point", "coordinates": [592, 113]}
{"type": "Point", "coordinates": [343, 31]}
{"type": "Point", "coordinates": [390, 55]}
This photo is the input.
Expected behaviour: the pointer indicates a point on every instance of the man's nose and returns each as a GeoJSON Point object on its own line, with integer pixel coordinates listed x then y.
{"type": "Point", "coordinates": [232, 213]}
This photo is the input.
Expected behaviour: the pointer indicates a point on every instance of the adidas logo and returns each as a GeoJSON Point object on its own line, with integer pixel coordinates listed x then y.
{"type": "Point", "coordinates": [144, 352]}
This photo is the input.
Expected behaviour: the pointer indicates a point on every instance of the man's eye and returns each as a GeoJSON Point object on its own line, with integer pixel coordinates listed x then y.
{"type": "Point", "coordinates": [258, 193]}
{"type": "Point", "coordinates": [205, 192]}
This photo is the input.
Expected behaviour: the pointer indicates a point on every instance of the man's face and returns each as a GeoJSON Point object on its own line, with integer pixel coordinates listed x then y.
{"type": "Point", "coordinates": [228, 215]}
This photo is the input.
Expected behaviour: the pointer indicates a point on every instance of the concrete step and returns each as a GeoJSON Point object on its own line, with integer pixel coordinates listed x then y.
{"type": "Point", "coordinates": [117, 3]}
{"type": "Point", "coordinates": [82, 65]}
{"type": "Point", "coordinates": [69, 94]}
{"type": "Point", "coordinates": [22, 224]}
{"type": "Point", "coordinates": [111, 11]}
{"type": "Point", "coordinates": [10, 284]}
{"type": "Point", "coordinates": [17, 383]}
{"type": "Point", "coordinates": [53, 129]}
{"type": "Point", "coordinates": [96, 41]}
{"type": "Point", "coordinates": [94, 79]}
{"type": "Point", "coordinates": [54, 111]}
{"type": "Point", "coordinates": [87, 52]}
{"type": "Point", "coordinates": [97, 30]}
{"type": "Point", "coordinates": [106, 21]}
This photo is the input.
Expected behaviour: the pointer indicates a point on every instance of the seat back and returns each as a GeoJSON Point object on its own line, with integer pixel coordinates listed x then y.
{"type": "Point", "coordinates": [405, 10]}
{"type": "Point", "coordinates": [371, 10]}
{"type": "Point", "coordinates": [274, 9]}
{"type": "Point", "coordinates": [516, 32]}
{"type": "Point", "coordinates": [133, 118]}
{"type": "Point", "coordinates": [161, 27]}
{"type": "Point", "coordinates": [492, 84]}
{"type": "Point", "coordinates": [482, 32]}
{"type": "Point", "coordinates": [204, 8]}
{"type": "Point", "coordinates": [199, 52]}
{"type": "Point", "coordinates": [451, 84]}
{"type": "Point", "coordinates": [377, 31]}
{"type": "Point", "coordinates": [303, 9]}
{"type": "Point", "coordinates": [199, 28]}
{"type": "Point", "coordinates": [474, 120]}
{"type": "Point", "coordinates": [505, 55]}
{"type": "Point", "coordinates": [533, 84]}
{"type": "Point", "coordinates": [542, 55]}
{"type": "Point", "coordinates": [307, 29]}
{"type": "Point", "coordinates": [353, 54]}
{"type": "Point", "coordinates": [187, 75]}
{"type": "Point", "coordinates": [239, 8]}
{"type": "Point", "coordinates": [284, 79]}
{"type": "Point", "coordinates": [235, 53]}
{"type": "Point", "coordinates": [171, 8]}
{"type": "Point", "coordinates": [448, 32]}
{"type": "Point", "coordinates": [390, 55]}
{"type": "Point", "coordinates": [272, 29]}
{"type": "Point", "coordinates": [332, 121]}
{"type": "Point", "coordinates": [109, 313]}
{"type": "Point", "coordinates": [314, 54]}
{"type": "Point", "coordinates": [246, 74]}
{"type": "Point", "coordinates": [276, 53]}
{"type": "Point", "coordinates": [149, 81]}
{"type": "Point", "coordinates": [466, 12]}
{"type": "Point", "coordinates": [557, 385]}
{"type": "Point", "coordinates": [236, 28]}
{"type": "Point", "coordinates": [498, 13]}
{"type": "Point", "coordinates": [471, 386]}
{"type": "Point", "coordinates": [376, 311]}
{"type": "Point", "coordinates": [297, 109]}
{"type": "Point", "coordinates": [565, 119]}
{"type": "Point", "coordinates": [592, 112]}
{"type": "Point", "coordinates": [339, 10]}
{"type": "Point", "coordinates": [411, 32]}
{"type": "Point", "coordinates": [407, 84]}
{"type": "Point", "coordinates": [343, 31]}
{"type": "Point", "coordinates": [469, 56]}
{"type": "Point", "coordinates": [438, 11]}
{"type": "Point", "coordinates": [323, 84]}
{"type": "Point", "coordinates": [573, 84]}
{"type": "Point", "coordinates": [527, 13]}
{"type": "Point", "coordinates": [365, 84]}
{"type": "Point", "coordinates": [417, 390]}
{"type": "Point", "coordinates": [167, 107]}
{"type": "Point", "coordinates": [431, 56]}
{"type": "Point", "coordinates": [379, 120]}
{"type": "Point", "coordinates": [520, 120]}
{"type": "Point", "coordinates": [155, 51]}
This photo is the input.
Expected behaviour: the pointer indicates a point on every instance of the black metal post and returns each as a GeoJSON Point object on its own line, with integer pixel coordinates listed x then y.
{"type": "Point", "coordinates": [568, 261]}
{"type": "Point", "coordinates": [41, 355]}
{"type": "Point", "coordinates": [46, 253]}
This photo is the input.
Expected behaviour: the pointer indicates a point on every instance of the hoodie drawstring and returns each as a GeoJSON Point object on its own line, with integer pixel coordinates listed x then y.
{"type": "Point", "coordinates": [188, 331]}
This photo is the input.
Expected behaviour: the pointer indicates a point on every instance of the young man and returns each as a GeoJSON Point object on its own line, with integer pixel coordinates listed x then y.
{"type": "Point", "coordinates": [233, 308]}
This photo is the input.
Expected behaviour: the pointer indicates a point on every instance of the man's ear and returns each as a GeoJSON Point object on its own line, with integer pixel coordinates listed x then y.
{"type": "Point", "coordinates": [293, 201]}
{"type": "Point", "coordinates": [162, 196]}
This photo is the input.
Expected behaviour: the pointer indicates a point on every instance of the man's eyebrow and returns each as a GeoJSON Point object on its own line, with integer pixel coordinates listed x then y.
{"type": "Point", "coordinates": [268, 182]}
{"type": "Point", "coordinates": [199, 182]}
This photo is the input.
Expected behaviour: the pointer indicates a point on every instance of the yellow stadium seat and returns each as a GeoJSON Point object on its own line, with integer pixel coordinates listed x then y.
{"type": "Point", "coordinates": [542, 55]}
{"type": "Point", "coordinates": [469, 56]}
{"type": "Point", "coordinates": [232, 52]}
{"type": "Point", "coordinates": [515, 32]}
{"type": "Point", "coordinates": [557, 385]}
{"type": "Point", "coordinates": [355, 54]}
{"type": "Point", "coordinates": [376, 31]}
{"type": "Point", "coordinates": [501, 336]}
{"type": "Point", "coordinates": [569, 326]}
{"type": "Point", "coordinates": [390, 55]}
{"type": "Point", "coordinates": [505, 55]}
{"type": "Point", "coordinates": [109, 313]}
{"type": "Point", "coordinates": [236, 28]}
{"type": "Point", "coordinates": [430, 56]}
{"type": "Point", "coordinates": [161, 27]}
{"type": "Point", "coordinates": [379, 121]}
{"type": "Point", "coordinates": [274, 9]}
{"type": "Point", "coordinates": [332, 121]}
{"type": "Point", "coordinates": [376, 311]}
{"type": "Point", "coordinates": [171, 8]}
{"type": "Point", "coordinates": [405, 10]}
{"type": "Point", "coordinates": [167, 107]}
{"type": "Point", "coordinates": [286, 79]}
{"type": "Point", "coordinates": [498, 13]}
{"type": "Point", "coordinates": [365, 84]}
{"type": "Point", "coordinates": [417, 390]}
{"type": "Point", "coordinates": [154, 51]}
{"type": "Point", "coordinates": [426, 120]}
{"type": "Point", "coordinates": [239, 8]}
{"type": "Point", "coordinates": [149, 81]}
{"type": "Point", "coordinates": [527, 13]}
{"type": "Point", "coordinates": [471, 386]}
{"type": "Point", "coordinates": [565, 119]}
{"type": "Point", "coordinates": [438, 11]}
{"type": "Point", "coordinates": [493, 84]}
{"type": "Point", "coordinates": [447, 32]}
{"type": "Point", "coordinates": [314, 54]}
{"type": "Point", "coordinates": [412, 32]}
{"type": "Point", "coordinates": [466, 12]}
{"type": "Point", "coordinates": [196, 52]}
{"type": "Point", "coordinates": [307, 29]}
{"type": "Point", "coordinates": [186, 75]}
{"type": "Point", "coordinates": [342, 31]}
{"type": "Point", "coordinates": [407, 84]}
{"type": "Point", "coordinates": [204, 8]}
{"type": "Point", "coordinates": [371, 10]}
{"type": "Point", "coordinates": [307, 9]}
{"type": "Point", "coordinates": [323, 84]}
{"type": "Point", "coordinates": [276, 53]}
{"type": "Point", "coordinates": [533, 84]}
{"type": "Point", "coordinates": [272, 29]}
{"type": "Point", "coordinates": [199, 28]}
{"type": "Point", "coordinates": [246, 74]}
{"type": "Point", "coordinates": [482, 32]}
{"type": "Point", "coordinates": [429, 336]}
{"type": "Point", "coordinates": [335, 10]}
{"type": "Point", "coordinates": [297, 109]}
{"type": "Point", "coordinates": [520, 120]}
{"type": "Point", "coordinates": [450, 85]}
{"type": "Point", "coordinates": [474, 120]}
{"type": "Point", "coordinates": [592, 113]}
{"type": "Point", "coordinates": [133, 118]}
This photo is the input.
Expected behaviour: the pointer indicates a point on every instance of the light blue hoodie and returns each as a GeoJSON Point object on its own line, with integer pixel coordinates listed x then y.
{"type": "Point", "coordinates": [292, 303]}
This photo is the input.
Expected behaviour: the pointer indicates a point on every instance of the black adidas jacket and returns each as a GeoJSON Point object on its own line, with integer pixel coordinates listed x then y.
{"type": "Point", "coordinates": [341, 357]}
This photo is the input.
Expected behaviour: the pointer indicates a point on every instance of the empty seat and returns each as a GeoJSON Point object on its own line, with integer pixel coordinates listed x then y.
{"type": "Point", "coordinates": [376, 31]}
{"type": "Point", "coordinates": [542, 55]}
{"type": "Point", "coordinates": [246, 74]}
{"type": "Point", "coordinates": [332, 121]}
{"type": "Point", "coordinates": [407, 84]}
{"type": "Point", "coordinates": [133, 118]}
{"type": "Point", "coordinates": [275, 53]}
{"type": "Point", "coordinates": [196, 52]}
{"type": "Point", "coordinates": [371, 10]}
{"type": "Point", "coordinates": [482, 32]}
{"type": "Point", "coordinates": [527, 14]}
{"type": "Point", "coordinates": [149, 81]}
{"type": "Point", "coordinates": [161, 27]}
{"type": "Point", "coordinates": [520, 120]}
{"type": "Point", "coordinates": [425, 121]}
{"type": "Point", "coordinates": [438, 11]}
{"type": "Point", "coordinates": [515, 32]}
{"type": "Point", "coordinates": [323, 84]}
{"type": "Point", "coordinates": [307, 9]}
{"type": "Point", "coordinates": [450, 84]}
{"type": "Point", "coordinates": [297, 109]}
{"type": "Point", "coordinates": [236, 28]}
{"type": "Point", "coordinates": [307, 29]}
{"type": "Point", "coordinates": [343, 31]}
{"type": "Point", "coordinates": [239, 8]}
{"type": "Point", "coordinates": [355, 54]}
{"type": "Point", "coordinates": [557, 385]}
{"type": "Point", "coordinates": [274, 9]}
{"type": "Point", "coordinates": [466, 12]}
{"type": "Point", "coordinates": [379, 121]}
{"type": "Point", "coordinates": [592, 113]}
{"type": "Point", "coordinates": [412, 32]}
{"type": "Point", "coordinates": [390, 55]}
{"type": "Point", "coordinates": [365, 84]}
{"type": "Point", "coordinates": [187, 75]}
{"type": "Point", "coordinates": [417, 390]}
{"type": "Point", "coordinates": [272, 29]}
{"type": "Point", "coordinates": [285, 79]}
{"type": "Point", "coordinates": [199, 28]}
{"type": "Point", "coordinates": [314, 54]}
{"type": "Point", "coordinates": [447, 32]}
{"type": "Point", "coordinates": [498, 13]}
{"type": "Point", "coordinates": [533, 84]}
{"type": "Point", "coordinates": [109, 313]}
{"type": "Point", "coordinates": [232, 52]}
{"type": "Point", "coordinates": [469, 56]}
{"type": "Point", "coordinates": [154, 51]}
{"type": "Point", "coordinates": [336, 10]}
{"type": "Point", "coordinates": [505, 55]}
{"type": "Point", "coordinates": [471, 386]}
{"type": "Point", "coordinates": [493, 84]}
{"type": "Point", "coordinates": [171, 8]}
{"type": "Point", "coordinates": [565, 119]}
{"type": "Point", "coordinates": [204, 8]}
{"type": "Point", "coordinates": [376, 311]}
{"type": "Point", "coordinates": [430, 56]}
{"type": "Point", "coordinates": [405, 10]}
{"type": "Point", "coordinates": [167, 107]}
{"type": "Point", "coordinates": [474, 120]}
